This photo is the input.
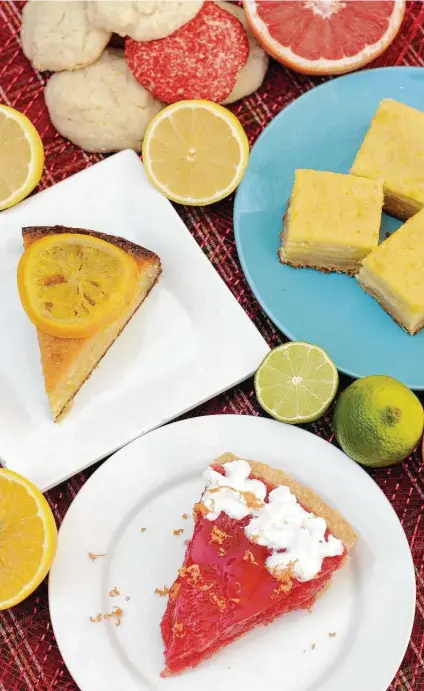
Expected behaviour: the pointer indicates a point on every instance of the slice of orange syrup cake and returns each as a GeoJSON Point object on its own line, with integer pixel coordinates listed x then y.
{"type": "Point", "coordinates": [263, 545]}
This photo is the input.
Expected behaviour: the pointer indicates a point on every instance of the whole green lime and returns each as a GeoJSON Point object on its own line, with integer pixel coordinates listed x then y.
{"type": "Point", "coordinates": [378, 421]}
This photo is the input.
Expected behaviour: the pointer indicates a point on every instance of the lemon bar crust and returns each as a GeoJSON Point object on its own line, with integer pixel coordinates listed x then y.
{"type": "Point", "coordinates": [327, 269]}
{"type": "Point", "coordinates": [387, 308]}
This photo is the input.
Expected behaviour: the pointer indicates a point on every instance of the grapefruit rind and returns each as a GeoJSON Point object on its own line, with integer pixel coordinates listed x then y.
{"type": "Point", "coordinates": [286, 56]}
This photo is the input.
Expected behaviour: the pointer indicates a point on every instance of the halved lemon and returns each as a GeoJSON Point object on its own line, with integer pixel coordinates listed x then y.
{"type": "Point", "coordinates": [71, 284]}
{"type": "Point", "coordinates": [21, 157]}
{"type": "Point", "coordinates": [27, 538]}
{"type": "Point", "coordinates": [195, 152]}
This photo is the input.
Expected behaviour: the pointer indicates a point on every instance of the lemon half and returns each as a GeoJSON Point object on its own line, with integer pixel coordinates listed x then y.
{"type": "Point", "coordinates": [195, 152]}
{"type": "Point", "coordinates": [21, 157]}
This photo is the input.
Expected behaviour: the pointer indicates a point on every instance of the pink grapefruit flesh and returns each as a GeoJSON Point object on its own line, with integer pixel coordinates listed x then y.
{"type": "Point", "coordinates": [325, 36]}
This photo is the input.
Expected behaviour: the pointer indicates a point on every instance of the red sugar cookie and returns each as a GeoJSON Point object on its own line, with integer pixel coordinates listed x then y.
{"type": "Point", "coordinates": [200, 60]}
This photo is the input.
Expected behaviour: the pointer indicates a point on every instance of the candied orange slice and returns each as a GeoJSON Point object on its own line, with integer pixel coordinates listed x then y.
{"type": "Point", "coordinates": [71, 285]}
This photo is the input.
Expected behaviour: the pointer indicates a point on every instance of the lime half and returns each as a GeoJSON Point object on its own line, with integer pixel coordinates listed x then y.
{"type": "Point", "coordinates": [296, 382]}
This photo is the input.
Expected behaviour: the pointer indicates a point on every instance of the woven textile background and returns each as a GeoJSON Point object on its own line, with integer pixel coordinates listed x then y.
{"type": "Point", "coordinates": [29, 657]}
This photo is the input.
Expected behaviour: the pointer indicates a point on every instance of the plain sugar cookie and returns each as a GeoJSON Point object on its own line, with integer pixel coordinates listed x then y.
{"type": "Point", "coordinates": [199, 61]}
{"type": "Point", "coordinates": [58, 35]}
{"type": "Point", "coordinates": [252, 75]}
{"type": "Point", "coordinates": [101, 108]}
{"type": "Point", "coordinates": [144, 20]}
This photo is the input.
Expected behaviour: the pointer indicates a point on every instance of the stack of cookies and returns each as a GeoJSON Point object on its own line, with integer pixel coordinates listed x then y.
{"type": "Point", "coordinates": [102, 98]}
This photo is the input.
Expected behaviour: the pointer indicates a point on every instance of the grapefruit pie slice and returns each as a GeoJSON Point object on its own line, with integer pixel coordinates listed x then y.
{"type": "Point", "coordinates": [263, 545]}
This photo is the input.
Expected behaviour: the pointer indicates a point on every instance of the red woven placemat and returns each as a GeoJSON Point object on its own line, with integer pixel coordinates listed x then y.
{"type": "Point", "coordinates": [29, 657]}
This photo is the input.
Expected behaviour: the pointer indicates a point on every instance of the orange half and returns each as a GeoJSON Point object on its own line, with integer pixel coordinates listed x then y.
{"type": "Point", "coordinates": [27, 538]}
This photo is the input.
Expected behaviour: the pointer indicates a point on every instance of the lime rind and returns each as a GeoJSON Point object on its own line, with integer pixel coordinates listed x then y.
{"type": "Point", "coordinates": [296, 382]}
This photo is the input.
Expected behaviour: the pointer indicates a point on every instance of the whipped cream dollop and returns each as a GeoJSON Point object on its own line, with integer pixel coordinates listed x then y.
{"type": "Point", "coordinates": [295, 537]}
{"type": "Point", "coordinates": [233, 492]}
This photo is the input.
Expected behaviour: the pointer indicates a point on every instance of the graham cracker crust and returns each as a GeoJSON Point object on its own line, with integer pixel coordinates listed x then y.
{"type": "Point", "coordinates": [400, 208]}
{"type": "Point", "coordinates": [325, 270]}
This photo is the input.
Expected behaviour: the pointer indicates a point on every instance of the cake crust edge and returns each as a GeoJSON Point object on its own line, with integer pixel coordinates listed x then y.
{"type": "Point", "coordinates": [336, 524]}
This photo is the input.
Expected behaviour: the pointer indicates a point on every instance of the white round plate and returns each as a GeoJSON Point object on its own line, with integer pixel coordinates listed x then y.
{"type": "Point", "coordinates": [150, 484]}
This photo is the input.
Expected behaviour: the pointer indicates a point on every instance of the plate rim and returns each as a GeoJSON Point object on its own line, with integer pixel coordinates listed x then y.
{"type": "Point", "coordinates": [265, 132]}
{"type": "Point", "coordinates": [188, 422]}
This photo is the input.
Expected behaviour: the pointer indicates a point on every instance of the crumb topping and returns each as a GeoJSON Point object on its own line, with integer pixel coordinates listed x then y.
{"type": "Point", "coordinates": [93, 556]}
{"type": "Point", "coordinates": [248, 556]}
{"type": "Point", "coordinates": [162, 591]}
{"type": "Point", "coordinates": [221, 552]}
{"type": "Point", "coordinates": [184, 516]}
{"type": "Point", "coordinates": [142, 530]}
{"type": "Point", "coordinates": [332, 634]}
{"type": "Point", "coordinates": [114, 592]}
{"type": "Point", "coordinates": [116, 614]}
{"type": "Point", "coordinates": [178, 531]}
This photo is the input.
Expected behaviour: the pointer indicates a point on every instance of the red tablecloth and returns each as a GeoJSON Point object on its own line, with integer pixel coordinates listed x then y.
{"type": "Point", "coordinates": [29, 656]}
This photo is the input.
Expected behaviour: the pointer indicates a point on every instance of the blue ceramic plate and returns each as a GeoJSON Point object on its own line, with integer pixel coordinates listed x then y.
{"type": "Point", "coordinates": [323, 130]}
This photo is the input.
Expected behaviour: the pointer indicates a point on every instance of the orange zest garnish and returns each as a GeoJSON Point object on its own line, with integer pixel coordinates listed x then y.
{"type": "Point", "coordinates": [218, 601]}
{"type": "Point", "coordinates": [178, 630]}
{"type": "Point", "coordinates": [173, 593]}
{"type": "Point", "coordinates": [218, 536]}
{"type": "Point", "coordinates": [248, 556]}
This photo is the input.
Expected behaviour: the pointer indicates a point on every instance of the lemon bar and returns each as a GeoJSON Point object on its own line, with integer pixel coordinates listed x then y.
{"type": "Point", "coordinates": [394, 274]}
{"type": "Point", "coordinates": [393, 149]}
{"type": "Point", "coordinates": [332, 221]}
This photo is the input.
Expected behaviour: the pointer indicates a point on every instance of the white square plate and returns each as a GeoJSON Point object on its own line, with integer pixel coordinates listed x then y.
{"type": "Point", "coordinates": [187, 343]}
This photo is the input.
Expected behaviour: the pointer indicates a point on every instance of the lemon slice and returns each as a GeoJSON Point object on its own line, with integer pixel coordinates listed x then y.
{"type": "Point", "coordinates": [296, 382]}
{"type": "Point", "coordinates": [195, 152]}
{"type": "Point", "coordinates": [27, 538]}
{"type": "Point", "coordinates": [21, 157]}
{"type": "Point", "coordinates": [72, 284]}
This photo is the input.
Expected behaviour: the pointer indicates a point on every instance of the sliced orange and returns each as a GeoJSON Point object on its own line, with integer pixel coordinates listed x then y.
{"type": "Point", "coordinates": [21, 157]}
{"type": "Point", "coordinates": [325, 36]}
{"type": "Point", "coordinates": [28, 536]}
{"type": "Point", "coordinates": [71, 284]}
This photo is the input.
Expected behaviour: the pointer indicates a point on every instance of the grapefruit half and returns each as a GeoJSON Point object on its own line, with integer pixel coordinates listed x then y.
{"type": "Point", "coordinates": [325, 36]}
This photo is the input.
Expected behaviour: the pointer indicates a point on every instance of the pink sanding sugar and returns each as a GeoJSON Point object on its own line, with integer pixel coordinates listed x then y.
{"type": "Point", "coordinates": [200, 60]}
